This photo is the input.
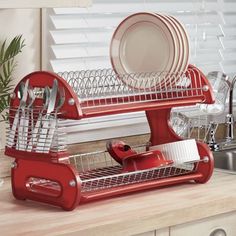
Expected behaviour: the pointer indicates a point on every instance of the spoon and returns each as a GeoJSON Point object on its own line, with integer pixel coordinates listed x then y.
{"type": "Point", "coordinates": [22, 95]}
{"type": "Point", "coordinates": [24, 120]}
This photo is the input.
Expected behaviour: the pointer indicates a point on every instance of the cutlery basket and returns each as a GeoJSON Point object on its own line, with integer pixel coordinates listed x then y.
{"type": "Point", "coordinates": [44, 171]}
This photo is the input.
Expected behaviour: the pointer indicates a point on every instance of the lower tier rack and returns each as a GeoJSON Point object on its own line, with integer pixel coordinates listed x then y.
{"type": "Point", "coordinates": [91, 176]}
{"type": "Point", "coordinates": [107, 173]}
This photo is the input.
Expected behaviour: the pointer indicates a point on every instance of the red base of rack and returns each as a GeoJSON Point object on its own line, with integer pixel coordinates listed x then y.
{"type": "Point", "coordinates": [53, 183]}
{"type": "Point", "coordinates": [50, 178]}
{"type": "Point", "coordinates": [59, 183]}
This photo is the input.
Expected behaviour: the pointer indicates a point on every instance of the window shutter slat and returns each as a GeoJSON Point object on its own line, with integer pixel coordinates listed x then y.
{"type": "Point", "coordinates": [80, 36]}
{"type": "Point", "coordinates": [79, 39]}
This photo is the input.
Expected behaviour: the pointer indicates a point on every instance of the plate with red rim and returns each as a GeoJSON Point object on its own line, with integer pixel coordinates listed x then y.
{"type": "Point", "coordinates": [174, 32]}
{"type": "Point", "coordinates": [150, 42]}
{"type": "Point", "coordinates": [143, 42]}
{"type": "Point", "coordinates": [171, 78]}
{"type": "Point", "coordinates": [184, 50]}
{"type": "Point", "coordinates": [185, 41]}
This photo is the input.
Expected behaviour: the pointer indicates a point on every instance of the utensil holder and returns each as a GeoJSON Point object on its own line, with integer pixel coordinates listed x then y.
{"type": "Point", "coordinates": [65, 180]}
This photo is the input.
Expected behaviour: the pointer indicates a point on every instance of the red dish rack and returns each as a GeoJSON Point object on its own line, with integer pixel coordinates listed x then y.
{"type": "Point", "coordinates": [58, 178]}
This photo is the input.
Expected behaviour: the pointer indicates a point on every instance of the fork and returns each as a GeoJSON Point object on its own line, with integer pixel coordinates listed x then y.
{"type": "Point", "coordinates": [46, 119]}
{"type": "Point", "coordinates": [36, 129]}
{"type": "Point", "coordinates": [27, 118]}
{"type": "Point", "coordinates": [50, 140]}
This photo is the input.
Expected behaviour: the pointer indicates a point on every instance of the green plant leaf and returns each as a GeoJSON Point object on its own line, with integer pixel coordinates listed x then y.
{"type": "Point", "coordinates": [13, 49]}
{"type": "Point", "coordinates": [2, 50]}
{"type": "Point", "coordinates": [7, 66]}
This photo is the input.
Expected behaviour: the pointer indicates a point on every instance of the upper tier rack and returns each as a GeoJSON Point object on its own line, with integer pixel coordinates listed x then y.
{"type": "Point", "coordinates": [106, 92]}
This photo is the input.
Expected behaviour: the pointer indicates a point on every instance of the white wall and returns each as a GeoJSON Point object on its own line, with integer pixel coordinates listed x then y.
{"type": "Point", "coordinates": [27, 23]}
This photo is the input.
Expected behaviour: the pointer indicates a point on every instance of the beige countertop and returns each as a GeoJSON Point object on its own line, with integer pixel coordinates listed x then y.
{"type": "Point", "coordinates": [125, 215]}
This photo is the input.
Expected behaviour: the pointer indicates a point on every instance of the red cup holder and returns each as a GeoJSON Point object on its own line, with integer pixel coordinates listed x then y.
{"type": "Point", "coordinates": [119, 150]}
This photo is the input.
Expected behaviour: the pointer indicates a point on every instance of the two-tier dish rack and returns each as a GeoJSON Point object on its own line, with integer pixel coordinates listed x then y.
{"type": "Point", "coordinates": [48, 173]}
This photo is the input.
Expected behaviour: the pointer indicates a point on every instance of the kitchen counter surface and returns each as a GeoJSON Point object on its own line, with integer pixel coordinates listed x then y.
{"type": "Point", "coordinates": [125, 215]}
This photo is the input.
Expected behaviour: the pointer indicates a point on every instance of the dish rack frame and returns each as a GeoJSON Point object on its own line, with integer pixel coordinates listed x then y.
{"type": "Point", "coordinates": [58, 178]}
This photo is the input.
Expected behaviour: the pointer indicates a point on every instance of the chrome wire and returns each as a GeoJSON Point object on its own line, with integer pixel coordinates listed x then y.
{"type": "Point", "coordinates": [98, 170]}
{"type": "Point", "coordinates": [107, 88]}
{"type": "Point", "coordinates": [13, 139]}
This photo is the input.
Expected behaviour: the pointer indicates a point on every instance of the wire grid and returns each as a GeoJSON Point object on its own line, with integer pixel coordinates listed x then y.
{"type": "Point", "coordinates": [98, 171]}
{"type": "Point", "coordinates": [30, 139]}
{"type": "Point", "coordinates": [86, 162]}
{"type": "Point", "coordinates": [106, 87]}
{"type": "Point", "coordinates": [197, 126]}
{"type": "Point", "coordinates": [115, 179]}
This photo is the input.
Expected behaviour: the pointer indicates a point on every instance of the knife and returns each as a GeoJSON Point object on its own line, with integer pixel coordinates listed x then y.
{"type": "Point", "coordinates": [46, 120]}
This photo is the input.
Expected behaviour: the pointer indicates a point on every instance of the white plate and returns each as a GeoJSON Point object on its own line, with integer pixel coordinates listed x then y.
{"type": "Point", "coordinates": [174, 32]}
{"type": "Point", "coordinates": [185, 40]}
{"type": "Point", "coordinates": [180, 43]}
{"type": "Point", "coordinates": [172, 78]}
{"type": "Point", "coordinates": [143, 42]}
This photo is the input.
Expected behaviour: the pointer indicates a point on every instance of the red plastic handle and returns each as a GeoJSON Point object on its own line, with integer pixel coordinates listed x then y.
{"type": "Point", "coordinates": [119, 150]}
{"type": "Point", "coordinates": [54, 183]}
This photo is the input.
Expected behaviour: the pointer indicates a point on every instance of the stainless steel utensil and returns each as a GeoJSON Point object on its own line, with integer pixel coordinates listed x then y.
{"type": "Point", "coordinates": [24, 120]}
{"type": "Point", "coordinates": [46, 119]}
{"type": "Point", "coordinates": [52, 137]}
{"type": "Point", "coordinates": [11, 136]}
{"type": "Point", "coordinates": [38, 124]}
{"type": "Point", "coordinates": [26, 133]}
{"type": "Point", "coordinates": [23, 93]}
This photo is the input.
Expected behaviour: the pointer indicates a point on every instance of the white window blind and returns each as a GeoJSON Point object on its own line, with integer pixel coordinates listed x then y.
{"type": "Point", "coordinates": [78, 38]}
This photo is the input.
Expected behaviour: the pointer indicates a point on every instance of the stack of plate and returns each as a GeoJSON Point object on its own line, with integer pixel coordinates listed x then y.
{"type": "Point", "coordinates": [150, 42]}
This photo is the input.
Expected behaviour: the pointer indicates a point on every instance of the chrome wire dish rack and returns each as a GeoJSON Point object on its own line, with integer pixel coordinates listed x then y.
{"type": "Point", "coordinates": [102, 88]}
{"type": "Point", "coordinates": [105, 88]}
{"type": "Point", "coordinates": [43, 169]}
{"type": "Point", "coordinates": [98, 171]}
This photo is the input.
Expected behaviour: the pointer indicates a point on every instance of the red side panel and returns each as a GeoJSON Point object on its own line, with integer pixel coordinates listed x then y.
{"type": "Point", "coordinates": [40, 79]}
{"type": "Point", "coordinates": [52, 183]}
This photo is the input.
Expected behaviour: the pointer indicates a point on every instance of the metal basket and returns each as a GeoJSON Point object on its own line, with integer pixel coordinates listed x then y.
{"type": "Point", "coordinates": [26, 131]}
